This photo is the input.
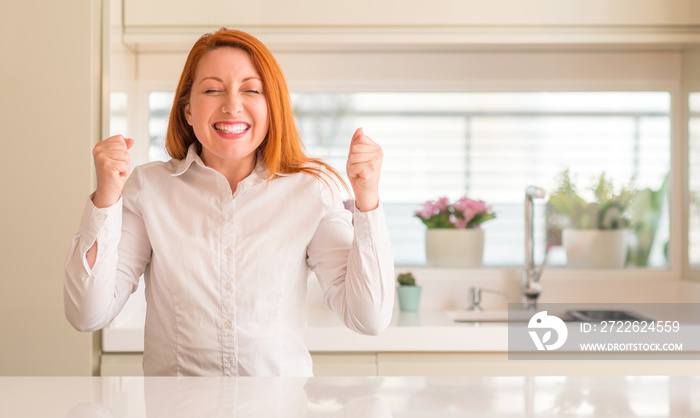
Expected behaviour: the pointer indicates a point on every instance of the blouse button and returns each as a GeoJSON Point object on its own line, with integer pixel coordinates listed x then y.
{"type": "Point", "coordinates": [227, 286]}
{"type": "Point", "coordinates": [227, 251]}
{"type": "Point", "coordinates": [227, 216]}
{"type": "Point", "coordinates": [228, 324]}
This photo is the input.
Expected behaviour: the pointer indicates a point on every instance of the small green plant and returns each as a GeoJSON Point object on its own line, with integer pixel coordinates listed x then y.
{"type": "Point", "coordinates": [406, 279]}
{"type": "Point", "coordinates": [608, 210]}
{"type": "Point", "coordinates": [645, 215]}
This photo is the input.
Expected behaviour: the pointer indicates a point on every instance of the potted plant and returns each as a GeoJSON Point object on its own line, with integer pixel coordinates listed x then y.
{"type": "Point", "coordinates": [409, 293]}
{"type": "Point", "coordinates": [645, 214]}
{"type": "Point", "coordinates": [594, 234]}
{"type": "Point", "coordinates": [454, 237]}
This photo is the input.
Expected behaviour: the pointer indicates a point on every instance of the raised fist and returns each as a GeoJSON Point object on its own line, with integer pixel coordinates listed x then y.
{"type": "Point", "coordinates": [112, 163]}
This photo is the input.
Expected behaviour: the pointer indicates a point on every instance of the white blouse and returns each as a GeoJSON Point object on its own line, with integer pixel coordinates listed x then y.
{"type": "Point", "coordinates": [226, 275]}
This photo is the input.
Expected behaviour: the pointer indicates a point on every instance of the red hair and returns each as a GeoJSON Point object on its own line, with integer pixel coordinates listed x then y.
{"type": "Point", "coordinates": [282, 149]}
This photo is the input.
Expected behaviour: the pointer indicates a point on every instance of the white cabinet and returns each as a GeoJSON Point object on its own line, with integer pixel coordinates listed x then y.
{"type": "Point", "coordinates": [450, 364]}
{"type": "Point", "coordinates": [350, 364]}
{"type": "Point", "coordinates": [121, 365]}
{"type": "Point", "coordinates": [477, 13]}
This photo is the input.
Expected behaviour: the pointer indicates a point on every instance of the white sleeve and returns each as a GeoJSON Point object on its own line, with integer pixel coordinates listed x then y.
{"type": "Point", "coordinates": [354, 266]}
{"type": "Point", "coordinates": [94, 297]}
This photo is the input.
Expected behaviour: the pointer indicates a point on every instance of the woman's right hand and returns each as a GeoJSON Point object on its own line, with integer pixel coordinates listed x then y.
{"type": "Point", "coordinates": [112, 166]}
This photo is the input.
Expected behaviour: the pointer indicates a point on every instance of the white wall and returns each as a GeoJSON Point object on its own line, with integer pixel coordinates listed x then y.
{"type": "Point", "coordinates": [49, 79]}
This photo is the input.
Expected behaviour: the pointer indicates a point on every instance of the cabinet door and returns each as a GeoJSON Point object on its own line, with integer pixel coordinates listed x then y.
{"type": "Point", "coordinates": [363, 13]}
{"type": "Point", "coordinates": [324, 364]}
{"type": "Point", "coordinates": [344, 364]}
{"type": "Point", "coordinates": [121, 365]}
{"type": "Point", "coordinates": [442, 364]}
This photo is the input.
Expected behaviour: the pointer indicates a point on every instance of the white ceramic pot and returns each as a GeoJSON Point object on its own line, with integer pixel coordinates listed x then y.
{"type": "Point", "coordinates": [454, 247]}
{"type": "Point", "coordinates": [595, 248]}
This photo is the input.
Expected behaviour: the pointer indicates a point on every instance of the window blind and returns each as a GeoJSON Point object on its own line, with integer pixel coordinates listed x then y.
{"type": "Point", "coordinates": [491, 146]}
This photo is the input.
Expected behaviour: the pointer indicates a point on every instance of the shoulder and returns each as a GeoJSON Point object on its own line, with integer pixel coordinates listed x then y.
{"type": "Point", "coordinates": [149, 173]}
{"type": "Point", "coordinates": [315, 185]}
{"type": "Point", "coordinates": [154, 169]}
{"type": "Point", "coordinates": [159, 167]}
{"type": "Point", "coordinates": [315, 176]}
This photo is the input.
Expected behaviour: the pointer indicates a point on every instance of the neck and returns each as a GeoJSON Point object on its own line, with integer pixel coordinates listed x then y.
{"type": "Point", "coordinates": [234, 170]}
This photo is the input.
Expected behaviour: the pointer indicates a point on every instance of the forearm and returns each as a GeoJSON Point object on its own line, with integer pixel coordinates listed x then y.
{"type": "Point", "coordinates": [368, 294]}
{"type": "Point", "coordinates": [364, 295]}
{"type": "Point", "coordinates": [89, 295]}
{"type": "Point", "coordinates": [90, 275]}
{"type": "Point", "coordinates": [91, 255]}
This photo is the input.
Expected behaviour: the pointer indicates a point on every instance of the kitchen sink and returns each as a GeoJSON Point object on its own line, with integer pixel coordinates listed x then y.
{"type": "Point", "coordinates": [580, 315]}
{"type": "Point", "coordinates": [489, 316]}
{"type": "Point", "coordinates": [584, 315]}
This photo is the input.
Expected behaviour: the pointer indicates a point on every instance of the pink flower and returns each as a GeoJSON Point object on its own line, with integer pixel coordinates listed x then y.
{"type": "Point", "coordinates": [427, 210]}
{"type": "Point", "coordinates": [458, 222]}
{"type": "Point", "coordinates": [470, 208]}
{"type": "Point", "coordinates": [442, 203]}
{"type": "Point", "coordinates": [465, 203]}
{"type": "Point", "coordinates": [432, 208]}
{"type": "Point", "coordinates": [442, 214]}
{"type": "Point", "coordinates": [480, 206]}
{"type": "Point", "coordinates": [468, 214]}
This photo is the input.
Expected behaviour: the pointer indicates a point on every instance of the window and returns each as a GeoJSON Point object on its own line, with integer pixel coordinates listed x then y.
{"type": "Point", "coordinates": [159, 105]}
{"type": "Point", "coordinates": [118, 118]}
{"type": "Point", "coordinates": [491, 146]}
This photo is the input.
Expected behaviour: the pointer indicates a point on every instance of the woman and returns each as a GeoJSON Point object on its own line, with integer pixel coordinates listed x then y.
{"type": "Point", "coordinates": [226, 232]}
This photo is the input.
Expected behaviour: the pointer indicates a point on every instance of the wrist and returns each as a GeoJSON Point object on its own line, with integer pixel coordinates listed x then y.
{"type": "Point", "coordinates": [104, 200]}
{"type": "Point", "coordinates": [365, 206]}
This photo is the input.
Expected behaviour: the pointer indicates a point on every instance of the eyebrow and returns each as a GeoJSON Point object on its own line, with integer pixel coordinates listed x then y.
{"type": "Point", "coordinates": [221, 81]}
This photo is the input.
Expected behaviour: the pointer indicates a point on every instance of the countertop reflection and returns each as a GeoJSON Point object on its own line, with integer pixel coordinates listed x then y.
{"type": "Point", "coordinates": [370, 397]}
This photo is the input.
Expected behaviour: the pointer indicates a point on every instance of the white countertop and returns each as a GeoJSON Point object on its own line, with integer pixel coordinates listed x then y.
{"type": "Point", "coordinates": [363, 397]}
{"type": "Point", "coordinates": [408, 331]}
{"type": "Point", "coordinates": [435, 331]}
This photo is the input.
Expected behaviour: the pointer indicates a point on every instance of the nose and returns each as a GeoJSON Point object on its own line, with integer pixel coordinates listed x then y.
{"type": "Point", "coordinates": [233, 104]}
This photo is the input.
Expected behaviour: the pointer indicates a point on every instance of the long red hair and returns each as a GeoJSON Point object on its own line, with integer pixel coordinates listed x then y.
{"type": "Point", "coordinates": [282, 148]}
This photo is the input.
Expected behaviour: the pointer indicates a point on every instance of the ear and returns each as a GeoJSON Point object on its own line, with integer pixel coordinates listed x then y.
{"type": "Point", "coordinates": [188, 114]}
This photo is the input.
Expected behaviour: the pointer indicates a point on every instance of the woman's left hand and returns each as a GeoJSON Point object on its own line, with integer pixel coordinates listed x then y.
{"type": "Point", "coordinates": [363, 168]}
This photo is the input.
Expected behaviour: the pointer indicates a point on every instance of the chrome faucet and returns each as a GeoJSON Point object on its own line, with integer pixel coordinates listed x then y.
{"type": "Point", "coordinates": [475, 297]}
{"type": "Point", "coordinates": [531, 275]}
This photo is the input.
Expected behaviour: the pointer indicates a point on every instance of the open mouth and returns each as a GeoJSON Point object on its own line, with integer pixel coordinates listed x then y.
{"type": "Point", "coordinates": [232, 128]}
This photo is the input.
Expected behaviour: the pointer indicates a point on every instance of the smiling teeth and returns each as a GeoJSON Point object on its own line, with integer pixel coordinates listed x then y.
{"type": "Point", "coordinates": [231, 129]}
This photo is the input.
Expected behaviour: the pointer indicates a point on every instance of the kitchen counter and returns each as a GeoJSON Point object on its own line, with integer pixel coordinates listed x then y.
{"type": "Point", "coordinates": [435, 331]}
{"type": "Point", "coordinates": [431, 330]}
{"type": "Point", "coordinates": [408, 331]}
{"type": "Point", "coordinates": [363, 397]}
